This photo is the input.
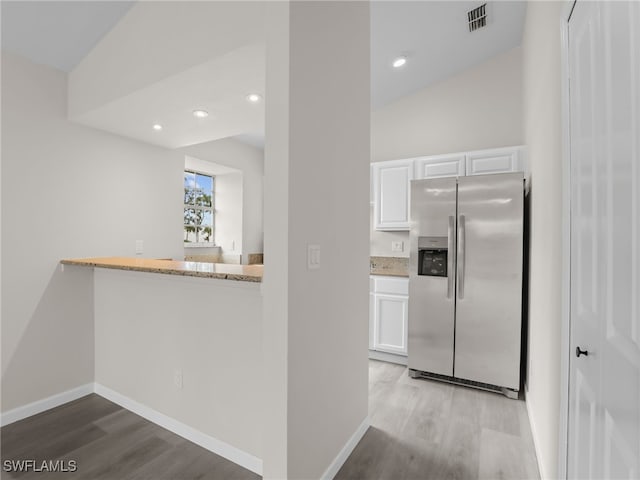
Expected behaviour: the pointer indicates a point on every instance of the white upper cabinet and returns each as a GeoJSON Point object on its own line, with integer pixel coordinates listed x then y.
{"type": "Point", "coordinates": [440, 166]}
{"type": "Point", "coordinates": [499, 160]}
{"type": "Point", "coordinates": [391, 194]}
{"type": "Point", "coordinates": [390, 181]}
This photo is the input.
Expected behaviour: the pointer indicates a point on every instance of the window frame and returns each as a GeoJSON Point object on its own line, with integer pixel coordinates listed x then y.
{"type": "Point", "coordinates": [212, 209]}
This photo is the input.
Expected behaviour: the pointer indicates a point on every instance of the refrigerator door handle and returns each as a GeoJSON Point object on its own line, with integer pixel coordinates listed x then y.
{"type": "Point", "coordinates": [461, 254]}
{"type": "Point", "coordinates": [450, 248]}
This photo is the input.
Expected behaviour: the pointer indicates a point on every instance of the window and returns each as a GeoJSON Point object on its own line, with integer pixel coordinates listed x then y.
{"type": "Point", "coordinates": [199, 224]}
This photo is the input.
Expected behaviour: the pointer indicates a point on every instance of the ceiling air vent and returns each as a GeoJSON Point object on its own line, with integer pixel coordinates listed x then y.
{"type": "Point", "coordinates": [477, 17]}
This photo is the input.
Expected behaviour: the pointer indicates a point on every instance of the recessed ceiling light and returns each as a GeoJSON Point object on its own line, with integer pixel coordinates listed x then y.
{"type": "Point", "coordinates": [400, 61]}
{"type": "Point", "coordinates": [157, 127]}
{"type": "Point", "coordinates": [200, 113]}
{"type": "Point", "coordinates": [254, 97]}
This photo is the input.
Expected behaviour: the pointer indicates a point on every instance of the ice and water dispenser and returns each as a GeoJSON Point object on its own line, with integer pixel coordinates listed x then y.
{"type": "Point", "coordinates": [432, 256]}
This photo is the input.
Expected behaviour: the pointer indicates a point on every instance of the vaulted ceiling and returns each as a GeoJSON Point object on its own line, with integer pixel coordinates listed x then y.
{"type": "Point", "coordinates": [82, 37]}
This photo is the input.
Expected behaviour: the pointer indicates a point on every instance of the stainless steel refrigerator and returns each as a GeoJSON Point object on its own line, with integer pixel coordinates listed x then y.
{"type": "Point", "coordinates": [465, 280]}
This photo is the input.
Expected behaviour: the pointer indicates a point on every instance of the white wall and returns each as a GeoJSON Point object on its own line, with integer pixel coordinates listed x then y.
{"type": "Point", "coordinates": [476, 109]}
{"type": "Point", "coordinates": [275, 283]}
{"type": "Point", "coordinates": [150, 325]}
{"type": "Point", "coordinates": [250, 161]}
{"type": "Point", "coordinates": [316, 192]}
{"type": "Point", "coordinates": [67, 191]}
{"type": "Point", "coordinates": [229, 212]}
{"type": "Point", "coordinates": [542, 130]}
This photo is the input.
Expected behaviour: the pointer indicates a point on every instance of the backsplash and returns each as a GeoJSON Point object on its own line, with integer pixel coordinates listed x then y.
{"type": "Point", "coordinates": [256, 259]}
{"type": "Point", "coordinates": [393, 266]}
{"type": "Point", "coordinates": [214, 258]}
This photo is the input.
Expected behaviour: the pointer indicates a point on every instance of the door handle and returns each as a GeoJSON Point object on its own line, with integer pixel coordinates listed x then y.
{"type": "Point", "coordinates": [581, 352]}
{"type": "Point", "coordinates": [450, 252]}
{"type": "Point", "coordinates": [461, 255]}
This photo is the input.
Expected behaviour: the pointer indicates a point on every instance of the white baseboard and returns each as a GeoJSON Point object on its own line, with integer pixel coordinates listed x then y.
{"type": "Point", "coordinates": [212, 444]}
{"type": "Point", "coordinates": [48, 403]}
{"type": "Point", "coordinates": [235, 455]}
{"type": "Point", "coordinates": [346, 451]}
{"type": "Point", "coordinates": [388, 357]}
{"type": "Point", "coordinates": [536, 440]}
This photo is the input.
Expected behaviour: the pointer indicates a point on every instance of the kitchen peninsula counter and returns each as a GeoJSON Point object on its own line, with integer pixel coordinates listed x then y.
{"type": "Point", "coordinates": [178, 341]}
{"type": "Point", "coordinates": [223, 271]}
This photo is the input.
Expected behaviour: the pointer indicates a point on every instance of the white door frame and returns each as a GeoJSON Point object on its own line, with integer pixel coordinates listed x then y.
{"type": "Point", "coordinates": [565, 333]}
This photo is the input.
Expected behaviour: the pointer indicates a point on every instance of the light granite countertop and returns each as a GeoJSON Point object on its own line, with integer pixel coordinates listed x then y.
{"type": "Point", "coordinates": [223, 271]}
{"type": "Point", "coordinates": [392, 266]}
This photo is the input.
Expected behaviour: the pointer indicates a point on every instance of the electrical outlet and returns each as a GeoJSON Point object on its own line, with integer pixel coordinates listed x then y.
{"type": "Point", "coordinates": [139, 247]}
{"type": "Point", "coordinates": [177, 378]}
{"type": "Point", "coordinates": [397, 246]}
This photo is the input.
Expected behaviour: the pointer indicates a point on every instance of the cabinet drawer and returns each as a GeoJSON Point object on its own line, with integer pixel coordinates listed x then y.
{"type": "Point", "coordinates": [391, 286]}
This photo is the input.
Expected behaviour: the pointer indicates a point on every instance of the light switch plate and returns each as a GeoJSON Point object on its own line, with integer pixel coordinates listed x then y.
{"type": "Point", "coordinates": [313, 257]}
{"type": "Point", "coordinates": [397, 246]}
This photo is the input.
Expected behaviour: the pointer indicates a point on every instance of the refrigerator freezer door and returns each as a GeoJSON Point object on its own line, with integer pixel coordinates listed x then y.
{"type": "Point", "coordinates": [431, 295]}
{"type": "Point", "coordinates": [489, 306]}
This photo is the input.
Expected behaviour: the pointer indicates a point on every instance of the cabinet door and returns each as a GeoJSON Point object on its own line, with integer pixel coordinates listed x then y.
{"type": "Point", "coordinates": [440, 166]}
{"type": "Point", "coordinates": [499, 160]}
{"type": "Point", "coordinates": [372, 319]}
{"type": "Point", "coordinates": [390, 329]}
{"type": "Point", "coordinates": [391, 193]}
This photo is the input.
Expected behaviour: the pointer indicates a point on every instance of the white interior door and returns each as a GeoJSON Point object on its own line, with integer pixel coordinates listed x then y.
{"type": "Point", "coordinates": [604, 398]}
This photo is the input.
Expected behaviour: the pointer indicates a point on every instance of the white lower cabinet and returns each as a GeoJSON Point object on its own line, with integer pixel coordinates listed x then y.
{"type": "Point", "coordinates": [389, 305]}
{"type": "Point", "coordinates": [391, 324]}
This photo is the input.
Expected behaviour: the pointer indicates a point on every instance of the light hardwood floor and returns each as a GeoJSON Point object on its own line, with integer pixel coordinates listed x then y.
{"type": "Point", "coordinates": [420, 430]}
{"type": "Point", "coordinates": [427, 430]}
